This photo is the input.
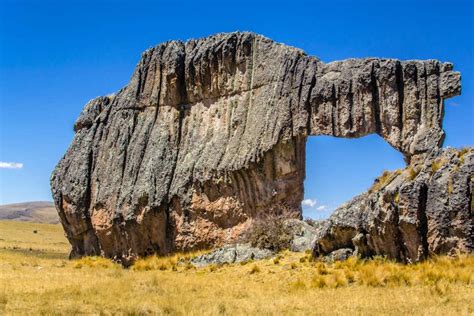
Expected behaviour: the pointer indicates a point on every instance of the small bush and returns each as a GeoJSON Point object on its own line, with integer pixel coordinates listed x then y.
{"type": "Point", "coordinates": [269, 232]}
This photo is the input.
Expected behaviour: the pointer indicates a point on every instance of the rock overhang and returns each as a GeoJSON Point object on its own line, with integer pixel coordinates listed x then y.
{"type": "Point", "coordinates": [211, 132]}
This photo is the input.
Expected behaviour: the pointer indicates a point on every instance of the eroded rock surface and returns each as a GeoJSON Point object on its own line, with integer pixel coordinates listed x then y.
{"type": "Point", "coordinates": [230, 254]}
{"type": "Point", "coordinates": [409, 214]}
{"type": "Point", "coordinates": [211, 132]}
{"type": "Point", "coordinates": [302, 234]}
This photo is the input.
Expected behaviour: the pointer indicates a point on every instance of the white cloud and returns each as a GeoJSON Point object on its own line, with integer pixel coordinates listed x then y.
{"type": "Point", "coordinates": [10, 165]}
{"type": "Point", "coordinates": [309, 203]}
{"type": "Point", "coordinates": [321, 208]}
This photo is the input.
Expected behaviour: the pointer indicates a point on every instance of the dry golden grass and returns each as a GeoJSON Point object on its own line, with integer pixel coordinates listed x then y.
{"type": "Point", "coordinates": [437, 164]}
{"type": "Point", "coordinates": [385, 179]}
{"type": "Point", "coordinates": [43, 281]}
{"type": "Point", "coordinates": [412, 172]}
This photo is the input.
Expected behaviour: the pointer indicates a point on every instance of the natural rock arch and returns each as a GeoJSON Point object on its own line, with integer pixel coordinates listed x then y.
{"type": "Point", "coordinates": [209, 133]}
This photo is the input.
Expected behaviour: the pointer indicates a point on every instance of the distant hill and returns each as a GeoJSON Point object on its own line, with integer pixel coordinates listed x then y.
{"type": "Point", "coordinates": [37, 212]}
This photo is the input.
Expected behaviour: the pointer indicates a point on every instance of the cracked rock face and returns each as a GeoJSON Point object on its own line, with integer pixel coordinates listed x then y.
{"type": "Point", "coordinates": [209, 133]}
{"type": "Point", "coordinates": [409, 214]}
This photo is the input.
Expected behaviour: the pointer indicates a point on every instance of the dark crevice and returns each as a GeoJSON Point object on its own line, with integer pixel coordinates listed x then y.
{"type": "Point", "coordinates": [425, 104]}
{"type": "Point", "coordinates": [469, 198]}
{"type": "Point", "coordinates": [439, 99]}
{"type": "Point", "coordinates": [300, 88]}
{"type": "Point", "coordinates": [423, 219]}
{"type": "Point", "coordinates": [333, 110]}
{"type": "Point", "coordinates": [139, 85]}
{"type": "Point", "coordinates": [87, 201]}
{"type": "Point", "coordinates": [291, 107]}
{"type": "Point", "coordinates": [309, 105]}
{"type": "Point", "coordinates": [402, 253]}
{"type": "Point", "coordinates": [351, 107]}
{"type": "Point", "coordinates": [375, 100]}
{"type": "Point", "coordinates": [401, 94]}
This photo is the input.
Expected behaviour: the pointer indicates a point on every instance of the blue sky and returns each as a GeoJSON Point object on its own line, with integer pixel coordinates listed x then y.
{"type": "Point", "coordinates": [57, 55]}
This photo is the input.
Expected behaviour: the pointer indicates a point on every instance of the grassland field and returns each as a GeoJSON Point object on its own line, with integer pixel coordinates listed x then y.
{"type": "Point", "coordinates": [36, 278]}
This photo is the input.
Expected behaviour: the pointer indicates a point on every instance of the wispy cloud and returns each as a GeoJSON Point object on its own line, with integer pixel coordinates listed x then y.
{"type": "Point", "coordinates": [321, 208]}
{"type": "Point", "coordinates": [309, 203]}
{"type": "Point", "coordinates": [452, 103]}
{"type": "Point", "coordinates": [10, 165]}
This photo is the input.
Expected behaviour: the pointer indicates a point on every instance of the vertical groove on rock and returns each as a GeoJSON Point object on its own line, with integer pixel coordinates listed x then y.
{"type": "Point", "coordinates": [351, 108]}
{"type": "Point", "coordinates": [424, 108]}
{"type": "Point", "coordinates": [439, 100]}
{"type": "Point", "coordinates": [375, 100]}
{"type": "Point", "coordinates": [309, 105]}
{"type": "Point", "coordinates": [125, 158]}
{"type": "Point", "coordinates": [423, 220]}
{"type": "Point", "coordinates": [334, 111]}
{"type": "Point", "coordinates": [95, 246]}
{"type": "Point", "coordinates": [401, 95]}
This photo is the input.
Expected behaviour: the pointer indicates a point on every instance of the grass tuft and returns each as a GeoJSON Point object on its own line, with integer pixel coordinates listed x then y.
{"type": "Point", "coordinates": [254, 269]}
{"type": "Point", "coordinates": [412, 173]}
{"type": "Point", "coordinates": [437, 164]}
{"type": "Point", "coordinates": [95, 262]}
{"type": "Point", "coordinates": [462, 153]}
{"type": "Point", "coordinates": [385, 179]}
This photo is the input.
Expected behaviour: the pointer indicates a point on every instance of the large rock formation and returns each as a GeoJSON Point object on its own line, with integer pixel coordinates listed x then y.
{"type": "Point", "coordinates": [210, 133]}
{"type": "Point", "coordinates": [409, 214]}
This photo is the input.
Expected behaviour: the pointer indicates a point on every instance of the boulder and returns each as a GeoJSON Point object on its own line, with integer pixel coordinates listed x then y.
{"type": "Point", "coordinates": [229, 254]}
{"type": "Point", "coordinates": [339, 255]}
{"type": "Point", "coordinates": [409, 214]}
{"type": "Point", "coordinates": [302, 234]}
{"type": "Point", "coordinates": [210, 133]}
